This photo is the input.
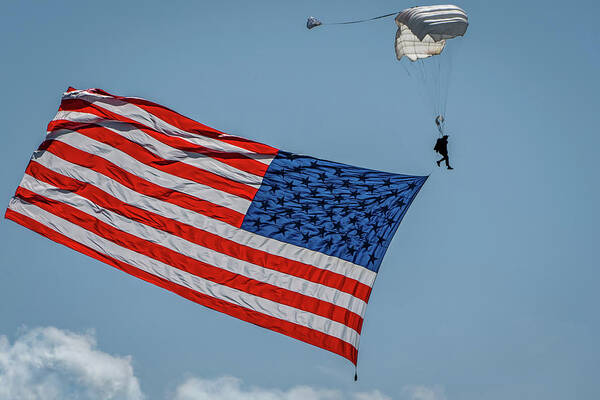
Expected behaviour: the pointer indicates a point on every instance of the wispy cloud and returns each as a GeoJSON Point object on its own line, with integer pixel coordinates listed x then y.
{"type": "Point", "coordinates": [229, 388]}
{"type": "Point", "coordinates": [53, 364]}
{"type": "Point", "coordinates": [424, 393]}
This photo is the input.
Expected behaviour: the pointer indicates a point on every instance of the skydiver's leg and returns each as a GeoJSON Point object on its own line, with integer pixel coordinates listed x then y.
{"type": "Point", "coordinates": [448, 162]}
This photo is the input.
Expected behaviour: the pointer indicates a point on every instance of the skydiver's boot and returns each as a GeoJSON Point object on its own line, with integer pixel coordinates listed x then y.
{"type": "Point", "coordinates": [438, 162]}
{"type": "Point", "coordinates": [450, 168]}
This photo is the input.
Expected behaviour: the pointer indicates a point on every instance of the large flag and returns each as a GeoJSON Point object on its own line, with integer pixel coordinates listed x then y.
{"type": "Point", "coordinates": [285, 241]}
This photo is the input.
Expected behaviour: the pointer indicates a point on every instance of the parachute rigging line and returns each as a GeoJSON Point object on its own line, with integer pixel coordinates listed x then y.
{"type": "Point", "coordinates": [313, 22]}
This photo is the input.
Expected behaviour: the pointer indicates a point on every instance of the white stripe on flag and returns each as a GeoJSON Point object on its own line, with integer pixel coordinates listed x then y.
{"type": "Point", "coordinates": [162, 150]}
{"type": "Point", "coordinates": [150, 174]}
{"type": "Point", "coordinates": [138, 114]}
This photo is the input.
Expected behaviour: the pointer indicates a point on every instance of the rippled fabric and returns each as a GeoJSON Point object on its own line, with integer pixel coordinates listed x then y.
{"type": "Point", "coordinates": [423, 31]}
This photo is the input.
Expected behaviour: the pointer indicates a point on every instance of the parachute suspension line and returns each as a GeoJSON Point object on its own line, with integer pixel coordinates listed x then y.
{"type": "Point", "coordinates": [427, 78]}
{"type": "Point", "coordinates": [434, 76]}
{"type": "Point", "coordinates": [444, 64]}
{"type": "Point", "coordinates": [446, 76]}
{"type": "Point", "coordinates": [436, 85]}
{"type": "Point", "coordinates": [443, 85]}
{"type": "Point", "coordinates": [440, 88]}
{"type": "Point", "coordinates": [434, 88]}
{"type": "Point", "coordinates": [449, 59]}
{"type": "Point", "coordinates": [406, 69]}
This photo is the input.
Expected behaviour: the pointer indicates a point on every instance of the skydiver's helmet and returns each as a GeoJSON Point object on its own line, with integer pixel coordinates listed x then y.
{"type": "Point", "coordinates": [439, 120]}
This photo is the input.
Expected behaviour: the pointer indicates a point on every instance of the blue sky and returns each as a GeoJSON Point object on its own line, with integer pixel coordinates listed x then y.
{"type": "Point", "coordinates": [489, 288]}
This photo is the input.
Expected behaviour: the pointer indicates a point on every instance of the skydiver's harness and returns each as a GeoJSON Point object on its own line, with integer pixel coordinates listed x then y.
{"type": "Point", "coordinates": [439, 122]}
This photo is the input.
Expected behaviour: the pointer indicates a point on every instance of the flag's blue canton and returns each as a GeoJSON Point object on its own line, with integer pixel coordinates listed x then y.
{"type": "Point", "coordinates": [337, 209]}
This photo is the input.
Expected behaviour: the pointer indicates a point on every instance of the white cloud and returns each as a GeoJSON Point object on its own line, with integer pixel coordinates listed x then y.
{"type": "Point", "coordinates": [229, 388]}
{"type": "Point", "coordinates": [374, 395]}
{"type": "Point", "coordinates": [424, 393]}
{"type": "Point", "coordinates": [53, 364]}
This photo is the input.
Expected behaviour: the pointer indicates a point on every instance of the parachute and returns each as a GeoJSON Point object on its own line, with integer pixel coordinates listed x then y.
{"type": "Point", "coordinates": [421, 38]}
{"type": "Point", "coordinates": [422, 33]}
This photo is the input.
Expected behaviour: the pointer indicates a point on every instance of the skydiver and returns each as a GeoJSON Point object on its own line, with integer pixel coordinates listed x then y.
{"type": "Point", "coordinates": [441, 146]}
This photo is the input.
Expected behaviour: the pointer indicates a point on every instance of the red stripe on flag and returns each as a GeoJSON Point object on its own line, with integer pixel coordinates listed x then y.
{"type": "Point", "coordinates": [295, 331]}
{"type": "Point", "coordinates": [143, 155]}
{"type": "Point", "coordinates": [191, 265]}
{"type": "Point", "coordinates": [237, 160]}
{"type": "Point", "coordinates": [140, 185]}
{"type": "Point", "coordinates": [189, 125]}
{"type": "Point", "coordinates": [200, 237]}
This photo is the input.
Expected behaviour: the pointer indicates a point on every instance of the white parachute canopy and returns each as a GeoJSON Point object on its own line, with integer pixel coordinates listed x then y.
{"type": "Point", "coordinates": [423, 31]}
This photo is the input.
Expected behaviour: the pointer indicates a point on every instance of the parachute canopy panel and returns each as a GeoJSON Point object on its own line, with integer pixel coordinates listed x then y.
{"type": "Point", "coordinates": [439, 22]}
{"type": "Point", "coordinates": [410, 46]}
{"type": "Point", "coordinates": [422, 31]}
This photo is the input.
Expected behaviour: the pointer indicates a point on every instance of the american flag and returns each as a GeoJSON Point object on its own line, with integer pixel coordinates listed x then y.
{"type": "Point", "coordinates": [285, 241]}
